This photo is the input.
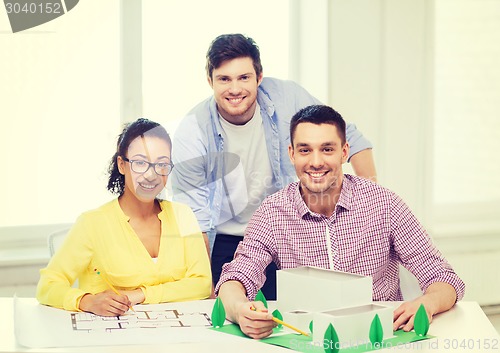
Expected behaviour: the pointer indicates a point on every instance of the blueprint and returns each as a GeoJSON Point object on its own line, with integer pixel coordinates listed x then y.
{"type": "Point", "coordinates": [40, 326]}
{"type": "Point", "coordinates": [139, 319]}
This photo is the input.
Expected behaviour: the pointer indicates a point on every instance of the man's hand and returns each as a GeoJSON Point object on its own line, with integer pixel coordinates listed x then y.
{"type": "Point", "coordinates": [254, 319]}
{"type": "Point", "coordinates": [438, 297]}
{"type": "Point", "coordinates": [404, 315]}
{"type": "Point", "coordinates": [105, 303]}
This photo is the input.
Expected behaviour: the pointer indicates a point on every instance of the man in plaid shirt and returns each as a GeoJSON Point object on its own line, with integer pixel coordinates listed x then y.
{"type": "Point", "coordinates": [338, 221]}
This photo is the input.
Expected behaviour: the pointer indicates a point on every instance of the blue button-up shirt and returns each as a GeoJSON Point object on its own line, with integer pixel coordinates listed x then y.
{"type": "Point", "coordinates": [201, 163]}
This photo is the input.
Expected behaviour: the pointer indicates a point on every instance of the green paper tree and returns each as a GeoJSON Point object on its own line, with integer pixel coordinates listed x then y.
{"type": "Point", "coordinates": [261, 298]}
{"type": "Point", "coordinates": [333, 340]}
{"type": "Point", "coordinates": [277, 314]}
{"type": "Point", "coordinates": [421, 322]}
{"type": "Point", "coordinates": [218, 314]}
{"type": "Point", "coordinates": [376, 331]}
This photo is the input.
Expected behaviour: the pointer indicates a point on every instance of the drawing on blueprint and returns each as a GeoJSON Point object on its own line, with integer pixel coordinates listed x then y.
{"type": "Point", "coordinates": [140, 319]}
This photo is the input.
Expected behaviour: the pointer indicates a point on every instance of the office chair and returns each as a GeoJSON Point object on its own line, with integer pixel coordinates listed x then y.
{"type": "Point", "coordinates": [56, 239]}
{"type": "Point", "coordinates": [409, 284]}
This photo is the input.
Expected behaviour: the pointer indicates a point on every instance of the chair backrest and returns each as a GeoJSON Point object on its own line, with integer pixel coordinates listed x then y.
{"type": "Point", "coordinates": [409, 284]}
{"type": "Point", "coordinates": [56, 239]}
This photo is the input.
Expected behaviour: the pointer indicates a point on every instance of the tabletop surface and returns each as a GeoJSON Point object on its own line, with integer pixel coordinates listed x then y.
{"type": "Point", "coordinates": [464, 328]}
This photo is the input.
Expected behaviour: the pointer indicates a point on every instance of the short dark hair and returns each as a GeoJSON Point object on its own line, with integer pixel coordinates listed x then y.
{"type": "Point", "coordinates": [232, 46]}
{"type": "Point", "coordinates": [140, 127]}
{"type": "Point", "coordinates": [318, 114]}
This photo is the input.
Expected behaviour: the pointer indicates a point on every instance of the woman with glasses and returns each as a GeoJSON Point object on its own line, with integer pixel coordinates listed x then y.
{"type": "Point", "coordinates": [136, 248]}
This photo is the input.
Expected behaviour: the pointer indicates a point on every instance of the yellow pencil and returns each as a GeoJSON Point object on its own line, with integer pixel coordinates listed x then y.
{"type": "Point", "coordinates": [289, 326]}
{"type": "Point", "coordinates": [278, 321]}
{"type": "Point", "coordinates": [111, 286]}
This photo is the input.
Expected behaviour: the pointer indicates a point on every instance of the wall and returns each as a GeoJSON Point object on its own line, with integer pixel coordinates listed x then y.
{"type": "Point", "coordinates": [381, 77]}
{"type": "Point", "coordinates": [23, 252]}
{"type": "Point", "coordinates": [374, 65]}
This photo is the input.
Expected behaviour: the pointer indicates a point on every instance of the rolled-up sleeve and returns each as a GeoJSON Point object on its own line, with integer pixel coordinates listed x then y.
{"type": "Point", "coordinates": [417, 252]}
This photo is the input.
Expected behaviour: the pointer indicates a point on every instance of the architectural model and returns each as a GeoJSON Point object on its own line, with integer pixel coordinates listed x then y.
{"type": "Point", "coordinates": [326, 297]}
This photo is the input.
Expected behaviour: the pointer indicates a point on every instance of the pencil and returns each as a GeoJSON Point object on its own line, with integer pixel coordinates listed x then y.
{"type": "Point", "coordinates": [111, 286]}
{"type": "Point", "coordinates": [289, 326]}
{"type": "Point", "coordinates": [278, 321]}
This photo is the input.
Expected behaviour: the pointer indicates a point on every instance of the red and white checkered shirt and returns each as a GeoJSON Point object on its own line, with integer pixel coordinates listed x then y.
{"type": "Point", "coordinates": [370, 233]}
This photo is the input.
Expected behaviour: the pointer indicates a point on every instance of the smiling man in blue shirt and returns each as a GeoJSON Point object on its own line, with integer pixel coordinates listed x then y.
{"type": "Point", "coordinates": [231, 150]}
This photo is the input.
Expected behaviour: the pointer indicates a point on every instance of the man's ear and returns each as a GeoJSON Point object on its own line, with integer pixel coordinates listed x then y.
{"type": "Point", "coordinates": [291, 154]}
{"type": "Point", "coordinates": [259, 79]}
{"type": "Point", "coordinates": [209, 80]}
{"type": "Point", "coordinates": [120, 163]}
{"type": "Point", "coordinates": [345, 152]}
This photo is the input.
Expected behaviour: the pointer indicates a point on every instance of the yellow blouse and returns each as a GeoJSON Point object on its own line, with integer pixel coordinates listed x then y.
{"type": "Point", "coordinates": [103, 240]}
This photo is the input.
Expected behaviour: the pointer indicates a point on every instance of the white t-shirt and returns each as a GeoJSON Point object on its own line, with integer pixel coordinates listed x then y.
{"type": "Point", "coordinates": [248, 176]}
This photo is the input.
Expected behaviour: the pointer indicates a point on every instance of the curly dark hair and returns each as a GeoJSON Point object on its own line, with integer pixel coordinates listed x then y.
{"type": "Point", "coordinates": [116, 180]}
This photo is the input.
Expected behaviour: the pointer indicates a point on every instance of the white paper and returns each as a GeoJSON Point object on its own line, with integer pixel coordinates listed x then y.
{"type": "Point", "coordinates": [40, 326]}
{"type": "Point", "coordinates": [318, 289]}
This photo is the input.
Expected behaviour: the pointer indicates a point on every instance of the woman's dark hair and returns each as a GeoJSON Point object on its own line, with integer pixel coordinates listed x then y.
{"type": "Point", "coordinates": [232, 46]}
{"type": "Point", "coordinates": [140, 127]}
{"type": "Point", "coordinates": [318, 114]}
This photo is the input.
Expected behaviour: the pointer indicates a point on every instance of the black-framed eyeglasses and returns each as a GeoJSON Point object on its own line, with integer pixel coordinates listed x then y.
{"type": "Point", "coordinates": [140, 166]}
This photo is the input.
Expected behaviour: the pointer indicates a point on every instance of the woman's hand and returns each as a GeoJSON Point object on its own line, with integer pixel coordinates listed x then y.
{"type": "Point", "coordinates": [135, 296]}
{"type": "Point", "coordinates": [105, 303]}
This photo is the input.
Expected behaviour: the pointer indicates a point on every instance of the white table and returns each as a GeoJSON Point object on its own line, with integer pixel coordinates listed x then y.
{"type": "Point", "coordinates": [464, 328]}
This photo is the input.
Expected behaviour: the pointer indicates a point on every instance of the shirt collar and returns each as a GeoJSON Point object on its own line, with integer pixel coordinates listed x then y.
{"type": "Point", "coordinates": [345, 199]}
{"type": "Point", "coordinates": [264, 101]}
{"type": "Point", "coordinates": [121, 214]}
{"type": "Point", "coordinates": [297, 199]}
{"type": "Point", "coordinates": [255, 118]}
{"type": "Point", "coordinates": [214, 116]}
{"type": "Point", "coordinates": [162, 216]}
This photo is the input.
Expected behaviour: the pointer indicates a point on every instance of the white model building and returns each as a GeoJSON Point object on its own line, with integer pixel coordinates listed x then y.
{"type": "Point", "coordinates": [306, 294]}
